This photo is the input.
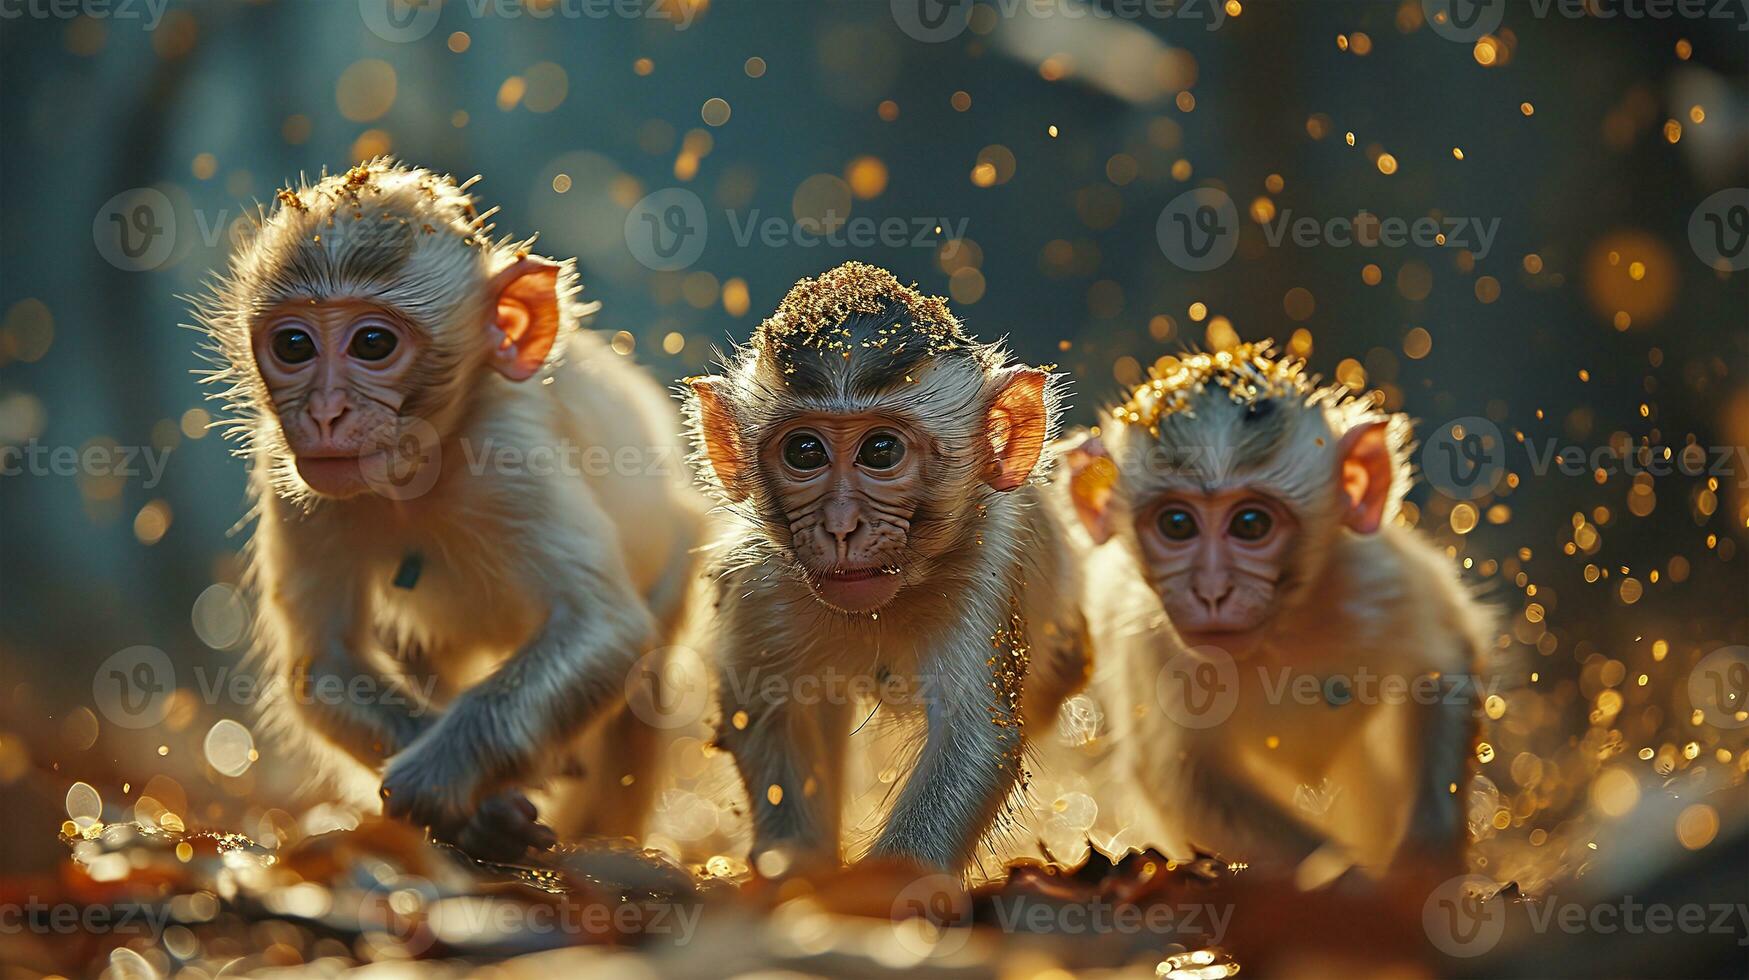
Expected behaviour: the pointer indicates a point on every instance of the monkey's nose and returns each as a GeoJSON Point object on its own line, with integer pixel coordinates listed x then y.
{"type": "Point", "coordinates": [1211, 589]}
{"type": "Point", "coordinates": [842, 521]}
{"type": "Point", "coordinates": [326, 409]}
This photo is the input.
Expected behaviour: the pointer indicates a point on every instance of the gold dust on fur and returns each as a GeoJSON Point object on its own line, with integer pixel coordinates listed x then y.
{"type": "Point", "coordinates": [813, 312]}
{"type": "Point", "coordinates": [1248, 372]}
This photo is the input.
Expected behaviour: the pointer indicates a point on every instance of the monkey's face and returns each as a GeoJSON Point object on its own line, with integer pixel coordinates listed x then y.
{"type": "Point", "coordinates": [336, 372]}
{"type": "Point", "coordinates": [849, 486]}
{"type": "Point", "coordinates": [1217, 562]}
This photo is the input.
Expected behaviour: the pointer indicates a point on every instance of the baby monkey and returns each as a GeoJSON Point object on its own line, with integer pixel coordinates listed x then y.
{"type": "Point", "coordinates": [1320, 701]}
{"type": "Point", "coordinates": [882, 465]}
{"type": "Point", "coordinates": [450, 593]}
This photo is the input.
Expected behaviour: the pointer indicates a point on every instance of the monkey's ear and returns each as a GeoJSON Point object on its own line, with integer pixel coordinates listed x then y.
{"type": "Point", "coordinates": [526, 318]}
{"type": "Point", "coordinates": [1366, 470]}
{"type": "Point", "coordinates": [721, 433]}
{"type": "Point", "coordinates": [1092, 478]}
{"type": "Point", "coordinates": [1016, 428]}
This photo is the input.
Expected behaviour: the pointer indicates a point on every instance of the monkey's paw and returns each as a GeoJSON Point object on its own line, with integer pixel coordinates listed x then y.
{"type": "Point", "coordinates": [427, 788]}
{"type": "Point", "coordinates": [504, 828]}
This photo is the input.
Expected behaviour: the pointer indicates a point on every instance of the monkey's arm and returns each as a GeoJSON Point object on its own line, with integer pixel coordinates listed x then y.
{"type": "Point", "coordinates": [572, 669]}
{"type": "Point", "coordinates": [314, 640]}
{"type": "Point", "coordinates": [1220, 795]}
{"type": "Point", "coordinates": [971, 758]}
{"type": "Point", "coordinates": [1447, 735]}
{"type": "Point", "coordinates": [791, 759]}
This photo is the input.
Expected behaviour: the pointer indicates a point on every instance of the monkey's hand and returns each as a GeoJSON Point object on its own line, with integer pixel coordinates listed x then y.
{"type": "Point", "coordinates": [431, 784]}
{"type": "Point", "coordinates": [504, 828]}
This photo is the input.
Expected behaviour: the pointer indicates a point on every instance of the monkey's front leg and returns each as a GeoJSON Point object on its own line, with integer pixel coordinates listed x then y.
{"type": "Point", "coordinates": [971, 758]}
{"type": "Point", "coordinates": [791, 759]}
{"type": "Point", "coordinates": [361, 711]}
{"type": "Point", "coordinates": [507, 724]}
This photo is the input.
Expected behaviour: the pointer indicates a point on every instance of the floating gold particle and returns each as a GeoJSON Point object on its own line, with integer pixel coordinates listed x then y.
{"type": "Point", "coordinates": [888, 110]}
{"type": "Point", "coordinates": [1484, 753]}
{"type": "Point", "coordinates": [714, 112]}
{"type": "Point", "coordinates": [755, 67]}
{"type": "Point", "coordinates": [739, 720]}
{"type": "Point", "coordinates": [1463, 518]}
{"type": "Point", "coordinates": [774, 793]}
{"type": "Point", "coordinates": [643, 66]}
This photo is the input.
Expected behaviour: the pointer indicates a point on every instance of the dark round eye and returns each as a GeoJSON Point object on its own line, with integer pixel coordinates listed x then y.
{"type": "Point", "coordinates": [1251, 524]}
{"type": "Point", "coordinates": [881, 451]}
{"type": "Point", "coordinates": [805, 451]}
{"type": "Point", "coordinates": [293, 345]}
{"type": "Point", "coordinates": [374, 343]}
{"type": "Point", "coordinates": [1177, 524]}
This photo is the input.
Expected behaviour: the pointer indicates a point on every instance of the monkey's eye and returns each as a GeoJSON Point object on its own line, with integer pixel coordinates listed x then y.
{"type": "Point", "coordinates": [374, 343]}
{"type": "Point", "coordinates": [293, 346]}
{"type": "Point", "coordinates": [881, 451]}
{"type": "Point", "coordinates": [1251, 524]}
{"type": "Point", "coordinates": [804, 451]}
{"type": "Point", "coordinates": [1177, 524]}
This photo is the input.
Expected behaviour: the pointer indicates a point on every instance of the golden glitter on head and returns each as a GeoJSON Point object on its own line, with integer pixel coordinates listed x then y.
{"type": "Point", "coordinates": [813, 313]}
{"type": "Point", "coordinates": [348, 195]}
{"type": "Point", "coordinates": [1248, 372]}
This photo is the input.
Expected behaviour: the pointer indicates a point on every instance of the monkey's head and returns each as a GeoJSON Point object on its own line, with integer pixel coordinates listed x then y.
{"type": "Point", "coordinates": [1228, 476]}
{"type": "Point", "coordinates": [862, 432]}
{"type": "Point", "coordinates": [368, 302]}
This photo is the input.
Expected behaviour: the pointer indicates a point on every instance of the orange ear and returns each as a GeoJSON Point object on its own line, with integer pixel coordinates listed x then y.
{"type": "Point", "coordinates": [722, 435]}
{"type": "Point", "coordinates": [1092, 480]}
{"type": "Point", "coordinates": [526, 319]}
{"type": "Point", "coordinates": [1366, 470]}
{"type": "Point", "coordinates": [1016, 428]}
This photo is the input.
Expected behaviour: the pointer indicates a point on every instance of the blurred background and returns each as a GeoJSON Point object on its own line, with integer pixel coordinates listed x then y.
{"type": "Point", "coordinates": [1592, 295]}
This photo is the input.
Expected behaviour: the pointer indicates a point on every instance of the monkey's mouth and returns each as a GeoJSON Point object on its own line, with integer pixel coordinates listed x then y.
{"type": "Point", "coordinates": [859, 574]}
{"type": "Point", "coordinates": [335, 475]}
{"type": "Point", "coordinates": [856, 590]}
